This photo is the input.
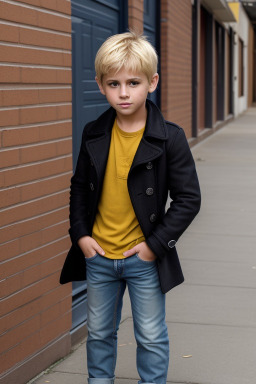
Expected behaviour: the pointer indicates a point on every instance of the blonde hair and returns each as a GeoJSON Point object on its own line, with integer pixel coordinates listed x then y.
{"type": "Point", "coordinates": [126, 50]}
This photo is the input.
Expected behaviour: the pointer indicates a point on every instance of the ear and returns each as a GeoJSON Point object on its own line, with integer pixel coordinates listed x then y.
{"type": "Point", "coordinates": [100, 86]}
{"type": "Point", "coordinates": [153, 83]}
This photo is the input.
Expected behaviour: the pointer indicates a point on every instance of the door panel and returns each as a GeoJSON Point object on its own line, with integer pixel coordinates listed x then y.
{"type": "Point", "coordinates": [150, 17]}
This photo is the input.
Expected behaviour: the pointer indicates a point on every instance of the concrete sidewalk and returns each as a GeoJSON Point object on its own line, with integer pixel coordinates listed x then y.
{"type": "Point", "coordinates": [212, 316]}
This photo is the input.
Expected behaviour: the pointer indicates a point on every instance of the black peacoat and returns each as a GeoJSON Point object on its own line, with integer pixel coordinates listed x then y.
{"type": "Point", "coordinates": [162, 164]}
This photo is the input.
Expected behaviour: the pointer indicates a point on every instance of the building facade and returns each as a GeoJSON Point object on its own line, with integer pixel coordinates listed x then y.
{"type": "Point", "coordinates": [207, 69]}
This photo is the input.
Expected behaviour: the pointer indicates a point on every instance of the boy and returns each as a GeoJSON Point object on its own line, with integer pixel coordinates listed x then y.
{"type": "Point", "coordinates": [130, 159]}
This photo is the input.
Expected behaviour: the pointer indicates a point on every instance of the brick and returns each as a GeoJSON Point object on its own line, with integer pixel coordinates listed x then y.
{"type": "Point", "coordinates": [62, 291]}
{"type": "Point", "coordinates": [9, 249]}
{"type": "Point", "coordinates": [55, 311]}
{"type": "Point", "coordinates": [57, 327]}
{"type": "Point", "coordinates": [17, 353]}
{"type": "Point", "coordinates": [45, 76]}
{"type": "Point", "coordinates": [9, 197]}
{"type": "Point", "coordinates": [64, 77]}
{"type": "Point", "coordinates": [9, 33]}
{"type": "Point", "coordinates": [9, 74]}
{"type": "Point", "coordinates": [29, 293]}
{"type": "Point", "coordinates": [11, 285]}
{"type": "Point", "coordinates": [37, 340]}
{"type": "Point", "coordinates": [9, 117]}
{"type": "Point", "coordinates": [20, 136]}
{"type": "Point", "coordinates": [34, 172]}
{"type": "Point", "coordinates": [45, 39]}
{"type": "Point", "coordinates": [66, 304]}
{"type": "Point", "coordinates": [64, 112]}
{"type": "Point", "coordinates": [54, 5]}
{"type": "Point", "coordinates": [35, 134]}
{"type": "Point", "coordinates": [55, 95]}
{"type": "Point", "coordinates": [53, 265]}
{"type": "Point", "coordinates": [46, 20]}
{"type": "Point", "coordinates": [18, 229]}
{"type": "Point", "coordinates": [30, 115]}
{"type": "Point", "coordinates": [27, 260]}
{"type": "Point", "coordinates": [16, 97]}
{"type": "Point", "coordinates": [11, 54]}
{"type": "Point", "coordinates": [29, 276]}
{"type": "Point", "coordinates": [55, 131]}
{"type": "Point", "coordinates": [135, 12]}
{"type": "Point", "coordinates": [16, 335]}
{"type": "Point", "coordinates": [9, 158]}
{"type": "Point", "coordinates": [43, 114]}
{"type": "Point", "coordinates": [45, 151]}
{"type": "Point", "coordinates": [45, 187]}
{"type": "Point", "coordinates": [1, 99]}
{"type": "Point", "coordinates": [34, 208]}
{"type": "Point", "coordinates": [19, 13]}
{"type": "Point", "coordinates": [45, 236]}
{"type": "Point", "coordinates": [30, 310]}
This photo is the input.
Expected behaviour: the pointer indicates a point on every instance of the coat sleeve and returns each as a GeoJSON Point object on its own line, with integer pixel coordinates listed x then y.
{"type": "Point", "coordinates": [185, 196]}
{"type": "Point", "coordinates": [78, 213]}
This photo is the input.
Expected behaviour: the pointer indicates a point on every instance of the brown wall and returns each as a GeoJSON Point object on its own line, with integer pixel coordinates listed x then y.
{"type": "Point", "coordinates": [36, 165]}
{"type": "Point", "coordinates": [254, 66]}
{"type": "Point", "coordinates": [227, 74]}
{"type": "Point", "coordinates": [176, 62]}
{"type": "Point", "coordinates": [135, 15]}
{"type": "Point", "coordinates": [250, 65]}
{"type": "Point", "coordinates": [202, 92]}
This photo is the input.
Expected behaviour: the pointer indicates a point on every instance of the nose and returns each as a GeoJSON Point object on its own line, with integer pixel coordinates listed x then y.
{"type": "Point", "coordinates": [123, 91]}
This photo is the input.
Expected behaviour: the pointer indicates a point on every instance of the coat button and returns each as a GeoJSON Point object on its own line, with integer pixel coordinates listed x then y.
{"type": "Point", "coordinates": [91, 186]}
{"type": "Point", "coordinates": [149, 165]}
{"type": "Point", "coordinates": [152, 218]}
{"type": "Point", "coordinates": [149, 191]}
{"type": "Point", "coordinates": [171, 243]}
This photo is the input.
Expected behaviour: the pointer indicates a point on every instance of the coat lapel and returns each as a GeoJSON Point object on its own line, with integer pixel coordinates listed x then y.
{"type": "Point", "coordinates": [98, 151]}
{"type": "Point", "coordinates": [98, 142]}
{"type": "Point", "coordinates": [146, 152]}
{"type": "Point", "coordinates": [155, 130]}
{"type": "Point", "coordinates": [99, 136]}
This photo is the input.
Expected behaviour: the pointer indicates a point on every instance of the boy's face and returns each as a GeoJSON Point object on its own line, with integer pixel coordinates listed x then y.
{"type": "Point", "coordinates": [127, 91]}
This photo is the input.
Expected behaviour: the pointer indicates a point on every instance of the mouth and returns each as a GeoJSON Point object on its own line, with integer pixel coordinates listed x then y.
{"type": "Point", "coordinates": [124, 105]}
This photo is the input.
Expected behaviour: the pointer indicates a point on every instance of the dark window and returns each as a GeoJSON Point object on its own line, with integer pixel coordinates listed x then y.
{"type": "Point", "coordinates": [241, 68]}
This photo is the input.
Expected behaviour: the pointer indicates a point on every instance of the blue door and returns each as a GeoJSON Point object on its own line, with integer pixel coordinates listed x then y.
{"type": "Point", "coordinates": [151, 20]}
{"type": "Point", "coordinates": [92, 22]}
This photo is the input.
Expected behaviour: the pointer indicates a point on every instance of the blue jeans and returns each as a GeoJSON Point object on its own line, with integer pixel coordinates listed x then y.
{"type": "Point", "coordinates": [106, 283]}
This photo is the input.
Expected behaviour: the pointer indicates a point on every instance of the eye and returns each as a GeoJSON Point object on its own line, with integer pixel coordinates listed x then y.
{"type": "Point", "coordinates": [134, 83]}
{"type": "Point", "coordinates": [113, 84]}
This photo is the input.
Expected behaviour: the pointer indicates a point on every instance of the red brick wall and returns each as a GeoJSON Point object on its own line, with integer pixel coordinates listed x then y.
{"type": "Point", "coordinates": [135, 15]}
{"type": "Point", "coordinates": [176, 62]}
{"type": "Point", "coordinates": [36, 166]}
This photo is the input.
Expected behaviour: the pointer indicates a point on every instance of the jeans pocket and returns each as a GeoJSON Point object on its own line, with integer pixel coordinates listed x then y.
{"type": "Point", "coordinates": [89, 259]}
{"type": "Point", "coordinates": [145, 261]}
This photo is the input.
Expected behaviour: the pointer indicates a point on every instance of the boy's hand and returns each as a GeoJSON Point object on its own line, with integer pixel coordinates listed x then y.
{"type": "Point", "coordinates": [89, 246]}
{"type": "Point", "coordinates": [143, 250]}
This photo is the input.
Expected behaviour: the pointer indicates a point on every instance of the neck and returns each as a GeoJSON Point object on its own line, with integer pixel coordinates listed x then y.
{"type": "Point", "coordinates": [132, 123]}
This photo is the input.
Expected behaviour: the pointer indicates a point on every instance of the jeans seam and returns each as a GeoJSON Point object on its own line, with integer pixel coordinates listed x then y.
{"type": "Point", "coordinates": [114, 326]}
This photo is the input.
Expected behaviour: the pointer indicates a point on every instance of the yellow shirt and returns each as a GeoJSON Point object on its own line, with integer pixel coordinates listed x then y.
{"type": "Point", "coordinates": [116, 227]}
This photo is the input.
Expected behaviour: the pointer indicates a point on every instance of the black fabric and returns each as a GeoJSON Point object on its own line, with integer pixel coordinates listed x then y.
{"type": "Point", "coordinates": [172, 170]}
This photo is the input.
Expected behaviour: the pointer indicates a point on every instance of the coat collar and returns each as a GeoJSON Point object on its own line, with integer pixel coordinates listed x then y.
{"type": "Point", "coordinates": [155, 124]}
